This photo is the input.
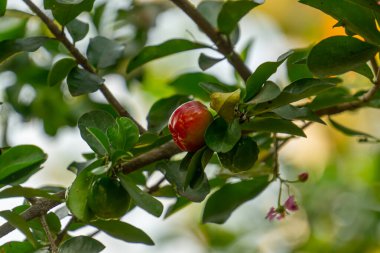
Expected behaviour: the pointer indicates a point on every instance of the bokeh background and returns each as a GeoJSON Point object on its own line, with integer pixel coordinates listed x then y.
{"type": "Point", "coordinates": [340, 203]}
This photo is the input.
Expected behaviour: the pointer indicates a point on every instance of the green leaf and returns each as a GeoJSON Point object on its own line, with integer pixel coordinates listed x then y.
{"type": "Point", "coordinates": [194, 165]}
{"type": "Point", "coordinates": [18, 222]}
{"type": "Point", "coordinates": [3, 7]}
{"type": "Point", "coordinates": [222, 137]}
{"type": "Point", "coordinates": [141, 198]}
{"type": "Point", "coordinates": [161, 111]}
{"type": "Point", "coordinates": [177, 177]}
{"type": "Point", "coordinates": [78, 191]}
{"type": "Point", "coordinates": [231, 13]}
{"type": "Point", "coordinates": [295, 91]}
{"type": "Point", "coordinates": [17, 247]}
{"type": "Point", "coordinates": [210, 11]}
{"type": "Point", "coordinates": [103, 52]}
{"type": "Point", "coordinates": [365, 70]}
{"type": "Point", "coordinates": [291, 112]}
{"type": "Point", "coordinates": [26, 192]}
{"type": "Point", "coordinates": [331, 97]}
{"type": "Point", "coordinates": [232, 196]}
{"type": "Point", "coordinates": [205, 62]}
{"type": "Point", "coordinates": [369, 4]}
{"type": "Point", "coordinates": [261, 74]}
{"type": "Point", "coordinates": [357, 19]}
{"type": "Point", "coordinates": [349, 131]}
{"type": "Point", "coordinates": [124, 134]}
{"type": "Point", "coordinates": [60, 70]}
{"type": "Point", "coordinates": [211, 87]}
{"type": "Point", "coordinates": [123, 231]}
{"type": "Point", "coordinates": [268, 92]}
{"type": "Point", "coordinates": [19, 163]}
{"type": "Point", "coordinates": [180, 203]}
{"type": "Point", "coordinates": [66, 11]}
{"type": "Point", "coordinates": [296, 65]}
{"type": "Point", "coordinates": [188, 84]}
{"type": "Point", "coordinates": [81, 82]}
{"type": "Point", "coordinates": [101, 138]}
{"type": "Point", "coordinates": [95, 119]}
{"type": "Point", "coordinates": [339, 54]}
{"type": "Point", "coordinates": [77, 29]}
{"type": "Point", "coordinates": [272, 125]}
{"type": "Point", "coordinates": [82, 244]}
{"type": "Point", "coordinates": [169, 47]}
{"type": "Point", "coordinates": [11, 47]}
{"type": "Point", "coordinates": [225, 104]}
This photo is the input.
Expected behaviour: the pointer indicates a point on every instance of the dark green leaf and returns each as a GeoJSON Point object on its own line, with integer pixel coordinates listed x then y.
{"type": "Point", "coordinates": [100, 137]}
{"type": "Point", "coordinates": [365, 70]}
{"type": "Point", "coordinates": [124, 134]}
{"type": "Point", "coordinates": [141, 198]}
{"type": "Point", "coordinates": [272, 125]}
{"type": "Point", "coordinates": [357, 19]}
{"type": "Point", "coordinates": [103, 52]}
{"type": "Point", "coordinates": [77, 29]}
{"type": "Point", "coordinates": [269, 91]}
{"type": "Point", "coordinates": [123, 231]}
{"type": "Point", "coordinates": [95, 119]}
{"type": "Point", "coordinates": [296, 65]}
{"type": "Point", "coordinates": [212, 87]}
{"type": "Point", "coordinates": [60, 70]}
{"type": "Point", "coordinates": [19, 163]}
{"type": "Point", "coordinates": [232, 196]}
{"type": "Point", "coordinates": [17, 247]}
{"type": "Point", "coordinates": [160, 112]}
{"type": "Point", "coordinates": [18, 222]}
{"type": "Point", "coordinates": [339, 54]}
{"type": "Point", "coordinates": [369, 4]}
{"type": "Point", "coordinates": [210, 11]}
{"type": "Point", "coordinates": [3, 7]}
{"type": "Point", "coordinates": [261, 74]}
{"type": "Point", "coordinates": [65, 12]}
{"type": "Point", "coordinates": [78, 191]}
{"type": "Point", "coordinates": [231, 13]}
{"type": "Point", "coordinates": [169, 47]}
{"type": "Point", "coordinates": [205, 62]}
{"type": "Point", "coordinates": [188, 84]}
{"type": "Point", "coordinates": [221, 137]}
{"type": "Point", "coordinates": [26, 192]}
{"type": "Point", "coordinates": [81, 82]}
{"type": "Point", "coordinates": [82, 244]}
{"type": "Point", "coordinates": [11, 47]}
{"type": "Point", "coordinates": [291, 112]}
{"type": "Point", "coordinates": [331, 97]}
{"type": "Point", "coordinates": [349, 131]}
{"type": "Point", "coordinates": [194, 165]}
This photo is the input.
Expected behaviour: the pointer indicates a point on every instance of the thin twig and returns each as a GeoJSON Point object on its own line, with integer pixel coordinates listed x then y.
{"type": "Point", "coordinates": [63, 232]}
{"type": "Point", "coordinates": [224, 47]}
{"type": "Point", "coordinates": [45, 226]}
{"type": "Point", "coordinates": [81, 60]}
{"type": "Point", "coordinates": [156, 186]}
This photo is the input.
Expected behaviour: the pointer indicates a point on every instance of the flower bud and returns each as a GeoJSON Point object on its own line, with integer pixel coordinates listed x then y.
{"type": "Point", "coordinates": [303, 177]}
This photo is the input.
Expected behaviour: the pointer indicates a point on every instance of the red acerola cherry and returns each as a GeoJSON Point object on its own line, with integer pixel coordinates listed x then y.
{"type": "Point", "coordinates": [188, 124]}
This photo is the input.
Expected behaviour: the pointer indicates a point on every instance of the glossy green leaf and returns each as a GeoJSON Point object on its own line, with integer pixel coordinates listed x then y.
{"type": "Point", "coordinates": [272, 125]}
{"type": "Point", "coordinates": [100, 137]}
{"type": "Point", "coordinates": [60, 70]}
{"type": "Point", "coordinates": [291, 112]}
{"type": "Point", "coordinates": [188, 84]}
{"type": "Point", "coordinates": [295, 91]}
{"type": "Point", "coordinates": [225, 104]}
{"type": "Point", "coordinates": [141, 198]}
{"type": "Point", "coordinates": [19, 163]}
{"type": "Point", "coordinates": [365, 70]}
{"type": "Point", "coordinates": [177, 177]}
{"type": "Point", "coordinates": [18, 222]}
{"type": "Point", "coordinates": [77, 195]}
{"type": "Point", "coordinates": [103, 52]}
{"type": "Point", "coordinates": [17, 247]}
{"type": "Point", "coordinates": [124, 134]}
{"type": "Point", "coordinates": [77, 29]}
{"type": "Point", "coordinates": [369, 4]}
{"type": "Point", "coordinates": [261, 74]}
{"type": "Point", "coordinates": [232, 12]}
{"type": "Point", "coordinates": [160, 112]}
{"type": "Point", "coordinates": [169, 47]}
{"type": "Point", "coordinates": [81, 82]}
{"type": "Point", "coordinates": [95, 119]}
{"type": "Point", "coordinates": [296, 65]}
{"type": "Point", "coordinates": [26, 192]}
{"type": "Point", "coordinates": [3, 7]}
{"type": "Point", "coordinates": [123, 231]}
{"type": "Point", "coordinates": [194, 165]}
{"type": "Point", "coordinates": [357, 19]}
{"type": "Point", "coordinates": [212, 87]}
{"type": "Point", "coordinates": [221, 136]}
{"type": "Point", "coordinates": [82, 244]}
{"type": "Point", "coordinates": [232, 196]}
{"type": "Point", "coordinates": [269, 91]}
{"type": "Point", "coordinates": [349, 131]}
{"type": "Point", "coordinates": [331, 97]}
{"type": "Point", "coordinates": [11, 47]}
{"type": "Point", "coordinates": [339, 54]}
{"type": "Point", "coordinates": [67, 11]}
{"type": "Point", "coordinates": [205, 62]}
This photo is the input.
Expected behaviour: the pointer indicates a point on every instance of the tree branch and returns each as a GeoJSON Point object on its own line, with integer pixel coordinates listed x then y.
{"type": "Point", "coordinates": [81, 60]}
{"type": "Point", "coordinates": [223, 45]}
{"type": "Point", "coordinates": [45, 226]}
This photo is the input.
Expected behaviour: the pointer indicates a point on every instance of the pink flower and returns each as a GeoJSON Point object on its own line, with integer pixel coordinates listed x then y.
{"type": "Point", "coordinates": [303, 177]}
{"type": "Point", "coordinates": [290, 204]}
{"type": "Point", "coordinates": [271, 214]}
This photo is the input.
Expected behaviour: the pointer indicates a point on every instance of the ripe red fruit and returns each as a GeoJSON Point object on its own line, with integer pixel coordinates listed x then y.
{"type": "Point", "coordinates": [188, 124]}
